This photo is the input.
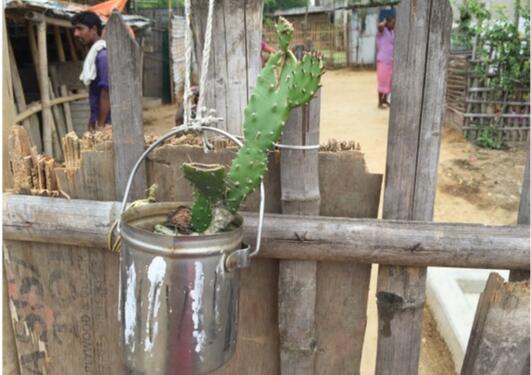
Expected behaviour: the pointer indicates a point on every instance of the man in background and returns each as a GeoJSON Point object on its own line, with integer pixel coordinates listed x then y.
{"type": "Point", "coordinates": [87, 30]}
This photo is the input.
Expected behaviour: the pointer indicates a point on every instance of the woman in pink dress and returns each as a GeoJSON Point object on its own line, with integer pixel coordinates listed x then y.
{"type": "Point", "coordinates": [385, 43]}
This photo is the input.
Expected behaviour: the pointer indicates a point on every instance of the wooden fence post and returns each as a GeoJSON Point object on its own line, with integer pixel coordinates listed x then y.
{"type": "Point", "coordinates": [499, 341]}
{"type": "Point", "coordinates": [523, 218]}
{"type": "Point", "coordinates": [125, 79]}
{"type": "Point", "coordinates": [419, 82]}
{"type": "Point", "coordinates": [297, 286]}
{"type": "Point", "coordinates": [234, 57]}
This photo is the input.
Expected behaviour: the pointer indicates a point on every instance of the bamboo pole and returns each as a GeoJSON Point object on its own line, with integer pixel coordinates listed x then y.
{"type": "Point", "coordinates": [31, 125]}
{"type": "Point", "coordinates": [413, 243]}
{"type": "Point", "coordinates": [63, 89]}
{"type": "Point", "coordinates": [8, 114]}
{"type": "Point", "coordinates": [37, 107]}
{"type": "Point", "coordinates": [45, 89]}
{"type": "Point", "coordinates": [40, 60]}
{"type": "Point", "coordinates": [298, 279]}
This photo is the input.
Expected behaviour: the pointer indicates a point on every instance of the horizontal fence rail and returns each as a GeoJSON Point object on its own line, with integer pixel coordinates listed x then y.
{"type": "Point", "coordinates": [86, 223]}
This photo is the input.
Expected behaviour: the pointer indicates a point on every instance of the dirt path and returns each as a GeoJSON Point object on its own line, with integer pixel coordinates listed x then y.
{"type": "Point", "coordinates": [474, 185]}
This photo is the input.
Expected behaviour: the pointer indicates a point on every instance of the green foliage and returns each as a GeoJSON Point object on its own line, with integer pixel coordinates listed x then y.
{"type": "Point", "coordinates": [489, 137]}
{"type": "Point", "coordinates": [472, 13]}
{"type": "Point", "coordinates": [272, 5]}
{"type": "Point", "coordinates": [505, 52]}
{"type": "Point", "coordinates": [502, 50]}
{"type": "Point", "coordinates": [157, 4]}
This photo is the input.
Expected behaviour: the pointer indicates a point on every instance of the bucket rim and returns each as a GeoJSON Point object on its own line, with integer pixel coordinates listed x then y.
{"type": "Point", "coordinates": [174, 246]}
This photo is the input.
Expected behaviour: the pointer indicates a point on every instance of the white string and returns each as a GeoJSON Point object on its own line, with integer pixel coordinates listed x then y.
{"type": "Point", "coordinates": [206, 54]}
{"type": "Point", "coordinates": [202, 115]}
{"type": "Point", "coordinates": [296, 147]}
{"type": "Point", "coordinates": [291, 147]}
{"type": "Point", "coordinates": [187, 64]}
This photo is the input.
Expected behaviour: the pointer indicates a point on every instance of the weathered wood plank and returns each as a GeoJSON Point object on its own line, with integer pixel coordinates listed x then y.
{"type": "Point", "coordinates": [499, 341]}
{"type": "Point", "coordinates": [86, 223]}
{"type": "Point", "coordinates": [342, 295]}
{"type": "Point", "coordinates": [523, 218]}
{"type": "Point", "coordinates": [421, 49]}
{"type": "Point", "coordinates": [9, 350]}
{"type": "Point", "coordinates": [253, 18]}
{"type": "Point", "coordinates": [257, 346]}
{"type": "Point", "coordinates": [93, 178]}
{"type": "Point", "coordinates": [234, 57]}
{"type": "Point", "coordinates": [236, 62]}
{"type": "Point", "coordinates": [126, 106]}
{"type": "Point", "coordinates": [65, 313]}
{"type": "Point", "coordinates": [299, 176]}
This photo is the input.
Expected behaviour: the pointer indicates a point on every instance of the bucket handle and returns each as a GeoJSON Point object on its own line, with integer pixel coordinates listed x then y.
{"type": "Point", "coordinates": [238, 259]}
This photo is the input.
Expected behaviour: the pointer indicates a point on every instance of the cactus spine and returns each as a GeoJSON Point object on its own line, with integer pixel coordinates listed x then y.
{"type": "Point", "coordinates": [283, 84]}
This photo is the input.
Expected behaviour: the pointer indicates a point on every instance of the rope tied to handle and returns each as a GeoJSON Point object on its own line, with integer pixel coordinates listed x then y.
{"type": "Point", "coordinates": [204, 116]}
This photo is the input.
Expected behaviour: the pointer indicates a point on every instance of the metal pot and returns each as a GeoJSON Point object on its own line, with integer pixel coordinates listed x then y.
{"type": "Point", "coordinates": [179, 302]}
{"type": "Point", "coordinates": [179, 295]}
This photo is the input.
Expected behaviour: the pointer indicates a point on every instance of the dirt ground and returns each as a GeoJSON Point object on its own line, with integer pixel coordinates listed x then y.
{"type": "Point", "coordinates": [474, 185]}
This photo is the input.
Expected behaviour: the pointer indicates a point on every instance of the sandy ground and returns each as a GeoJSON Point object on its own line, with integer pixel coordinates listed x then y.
{"type": "Point", "coordinates": [474, 185]}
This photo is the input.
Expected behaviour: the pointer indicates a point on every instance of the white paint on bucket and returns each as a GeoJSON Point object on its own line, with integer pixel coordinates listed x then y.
{"type": "Point", "coordinates": [130, 307]}
{"type": "Point", "coordinates": [156, 272]}
{"type": "Point", "coordinates": [197, 302]}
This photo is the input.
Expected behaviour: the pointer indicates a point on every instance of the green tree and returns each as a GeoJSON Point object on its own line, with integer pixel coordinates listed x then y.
{"type": "Point", "coordinates": [272, 5]}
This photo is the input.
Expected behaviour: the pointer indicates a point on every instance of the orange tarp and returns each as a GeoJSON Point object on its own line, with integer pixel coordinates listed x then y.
{"type": "Point", "coordinates": [105, 9]}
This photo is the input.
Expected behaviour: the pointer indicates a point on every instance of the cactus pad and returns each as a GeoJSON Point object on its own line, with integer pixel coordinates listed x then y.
{"type": "Point", "coordinates": [283, 84]}
{"type": "Point", "coordinates": [208, 182]}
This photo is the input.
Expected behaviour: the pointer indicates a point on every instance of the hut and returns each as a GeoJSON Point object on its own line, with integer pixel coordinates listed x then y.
{"type": "Point", "coordinates": [45, 60]}
{"type": "Point", "coordinates": [345, 34]}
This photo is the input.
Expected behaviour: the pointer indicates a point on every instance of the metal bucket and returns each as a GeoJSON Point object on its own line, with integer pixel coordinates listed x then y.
{"type": "Point", "coordinates": [179, 295]}
{"type": "Point", "coordinates": [179, 303]}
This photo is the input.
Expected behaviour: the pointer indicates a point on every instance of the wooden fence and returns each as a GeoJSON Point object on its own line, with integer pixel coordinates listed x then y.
{"type": "Point", "coordinates": [472, 106]}
{"type": "Point", "coordinates": [63, 283]}
{"type": "Point", "coordinates": [330, 40]}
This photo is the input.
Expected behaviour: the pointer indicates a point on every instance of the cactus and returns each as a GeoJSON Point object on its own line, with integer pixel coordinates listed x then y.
{"type": "Point", "coordinates": [208, 182]}
{"type": "Point", "coordinates": [283, 84]}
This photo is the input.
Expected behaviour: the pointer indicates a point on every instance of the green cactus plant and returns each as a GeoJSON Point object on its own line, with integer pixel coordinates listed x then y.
{"type": "Point", "coordinates": [208, 182]}
{"type": "Point", "coordinates": [283, 84]}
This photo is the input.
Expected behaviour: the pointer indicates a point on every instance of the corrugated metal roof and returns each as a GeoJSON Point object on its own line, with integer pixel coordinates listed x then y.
{"type": "Point", "coordinates": [300, 11]}
{"type": "Point", "coordinates": [66, 10]}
